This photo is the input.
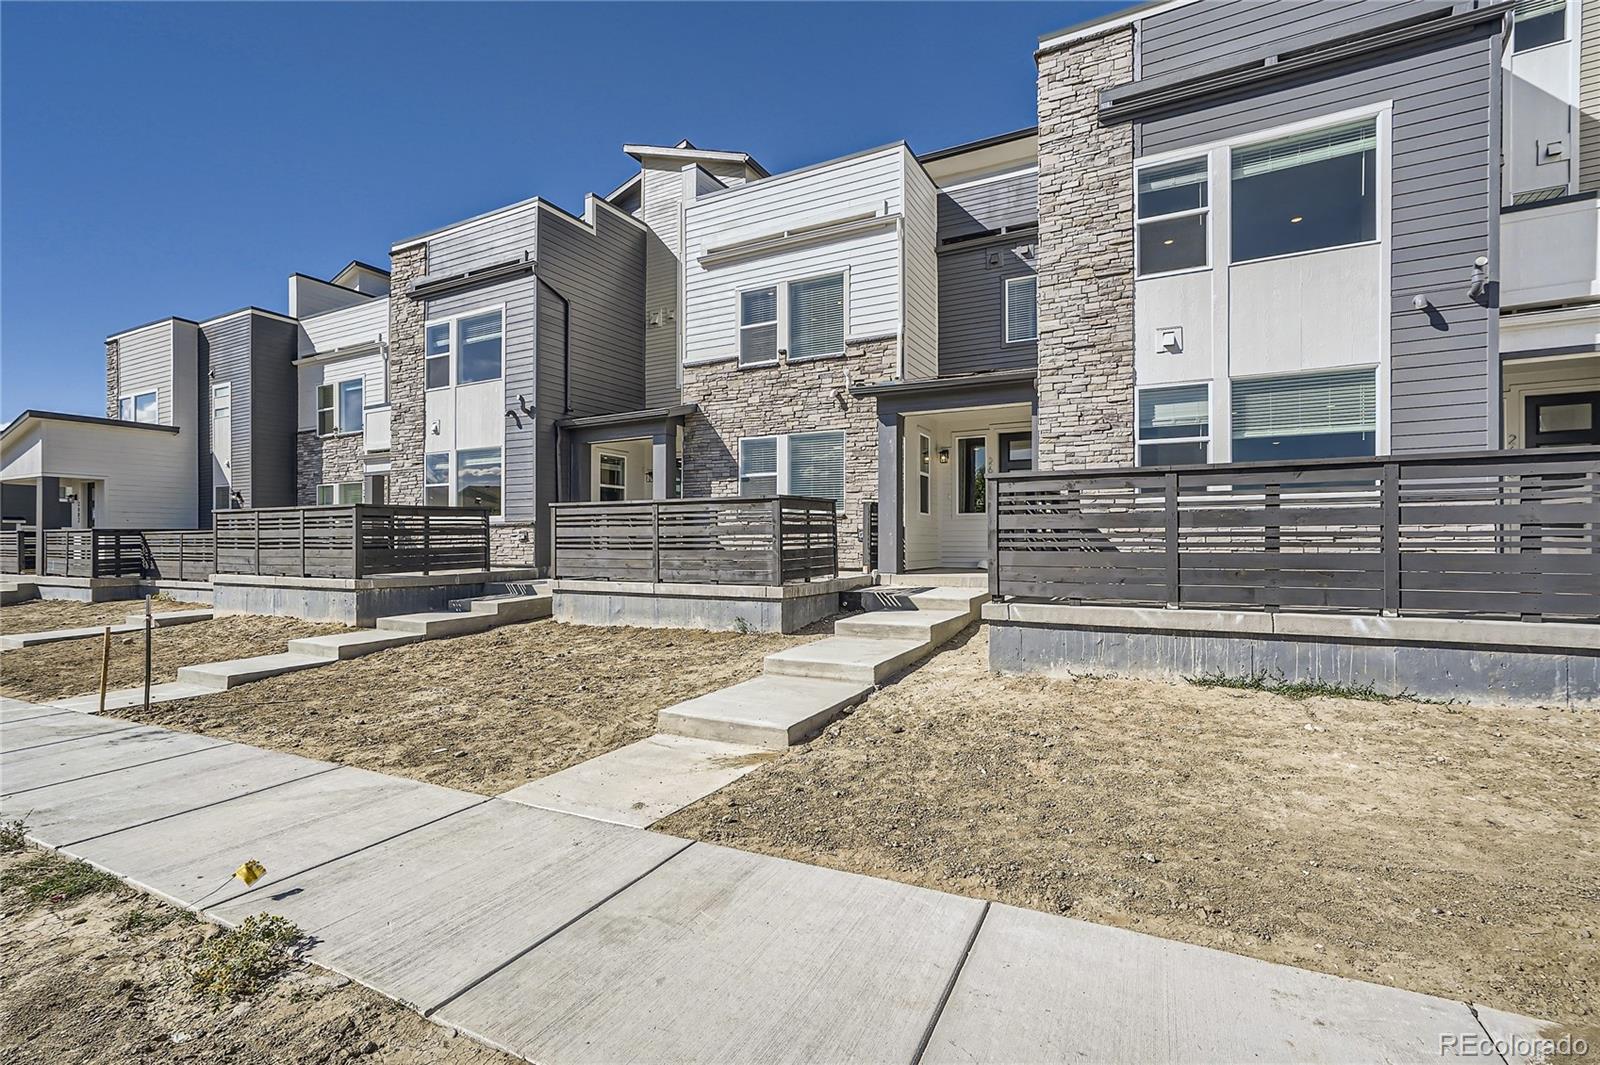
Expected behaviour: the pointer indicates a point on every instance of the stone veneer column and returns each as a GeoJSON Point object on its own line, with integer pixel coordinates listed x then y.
{"type": "Point", "coordinates": [326, 460]}
{"type": "Point", "coordinates": [407, 405]}
{"type": "Point", "coordinates": [113, 378]}
{"type": "Point", "coordinates": [1085, 265]}
{"type": "Point", "coordinates": [789, 398]}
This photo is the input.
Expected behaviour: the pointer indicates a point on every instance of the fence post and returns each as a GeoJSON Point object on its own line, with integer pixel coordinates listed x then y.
{"type": "Point", "coordinates": [777, 540]}
{"type": "Point", "coordinates": [555, 538]}
{"type": "Point", "coordinates": [486, 545]}
{"type": "Point", "coordinates": [833, 542]}
{"type": "Point", "coordinates": [1170, 492]}
{"type": "Point", "coordinates": [358, 544]}
{"type": "Point", "coordinates": [1271, 541]}
{"type": "Point", "coordinates": [427, 540]}
{"type": "Point", "coordinates": [991, 507]}
{"type": "Point", "coordinates": [255, 525]}
{"type": "Point", "coordinates": [1390, 536]}
{"type": "Point", "coordinates": [303, 572]}
{"type": "Point", "coordinates": [655, 543]}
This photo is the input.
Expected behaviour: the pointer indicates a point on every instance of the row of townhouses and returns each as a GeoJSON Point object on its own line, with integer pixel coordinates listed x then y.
{"type": "Point", "coordinates": [1241, 230]}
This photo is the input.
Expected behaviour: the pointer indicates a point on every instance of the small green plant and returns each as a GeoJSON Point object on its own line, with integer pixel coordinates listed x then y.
{"type": "Point", "coordinates": [741, 626]}
{"type": "Point", "coordinates": [48, 878]}
{"type": "Point", "coordinates": [150, 918]}
{"type": "Point", "coordinates": [243, 960]}
{"type": "Point", "coordinates": [1265, 681]}
{"type": "Point", "coordinates": [13, 835]}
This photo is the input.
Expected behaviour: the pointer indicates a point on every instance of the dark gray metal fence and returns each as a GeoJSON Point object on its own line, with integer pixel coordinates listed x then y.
{"type": "Point", "coordinates": [1509, 533]}
{"type": "Point", "coordinates": [735, 540]}
{"type": "Point", "coordinates": [351, 541]}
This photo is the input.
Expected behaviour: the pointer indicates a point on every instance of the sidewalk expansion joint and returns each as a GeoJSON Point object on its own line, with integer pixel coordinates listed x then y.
{"type": "Point", "coordinates": [120, 768]}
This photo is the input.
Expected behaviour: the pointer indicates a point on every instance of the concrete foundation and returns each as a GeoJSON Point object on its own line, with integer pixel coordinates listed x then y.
{"type": "Point", "coordinates": [353, 601]}
{"type": "Point", "coordinates": [88, 589]}
{"type": "Point", "coordinates": [1477, 661]}
{"type": "Point", "coordinates": [715, 607]}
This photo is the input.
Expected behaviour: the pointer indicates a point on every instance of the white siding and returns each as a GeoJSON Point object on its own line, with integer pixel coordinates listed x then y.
{"type": "Point", "coordinates": [359, 324]}
{"type": "Point", "coordinates": [367, 367]}
{"type": "Point", "coordinates": [309, 296]}
{"type": "Point", "coordinates": [144, 361]}
{"type": "Point", "coordinates": [873, 181]}
{"type": "Point", "coordinates": [146, 478]}
{"type": "Point", "coordinates": [663, 212]}
{"type": "Point", "coordinates": [919, 335]}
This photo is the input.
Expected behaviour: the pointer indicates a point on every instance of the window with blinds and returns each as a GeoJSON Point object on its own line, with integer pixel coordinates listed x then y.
{"type": "Point", "coordinates": [758, 326]}
{"type": "Point", "coordinates": [1022, 309]}
{"type": "Point", "coordinates": [478, 343]}
{"type": "Point", "coordinates": [327, 420]}
{"type": "Point", "coordinates": [1330, 414]}
{"type": "Point", "coordinates": [1537, 23]}
{"type": "Point", "coordinates": [1174, 426]}
{"type": "Point", "coordinates": [816, 465]}
{"type": "Point", "coordinates": [1305, 192]}
{"type": "Point", "coordinates": [1173, 204]}
{"type": "Point", "coordinates": [816, 317]}
{"type": "Point", "coordinates": [758, 466]}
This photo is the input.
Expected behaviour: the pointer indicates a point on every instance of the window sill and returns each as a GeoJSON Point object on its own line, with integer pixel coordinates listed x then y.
{"type": "Point", "coordinates": [341, 432]}
{"type": "Point", "coordinates": [1309, 251]}
{"type": "Point", "coordinates": [1173, 273]}
{"type": "Point", "coordinates": [817, 358]}
{"type": "Point", "coordinates": [755, 365]}
{"type": "Point", "coordinates": [1009, 341]}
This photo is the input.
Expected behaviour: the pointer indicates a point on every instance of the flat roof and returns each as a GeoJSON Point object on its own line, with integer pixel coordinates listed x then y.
{"type": "Point", "coordinates": [90, 419]}
{"type": "Point", "coordinates": [1110, 20]}
{"type": "Point", "coordinates": [972, 146]}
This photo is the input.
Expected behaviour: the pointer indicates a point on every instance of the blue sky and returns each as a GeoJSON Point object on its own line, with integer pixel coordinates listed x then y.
{"type": "Point", "coordinates": [186, 158]}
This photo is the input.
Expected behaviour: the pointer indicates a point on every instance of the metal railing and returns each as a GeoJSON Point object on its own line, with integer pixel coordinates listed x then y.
{"type": "Point", "coordinates": [1509, 533]}
{"type": "Point", "coordinates": [362, 540]}
{"type": "Point", "coordinates": [770, 540]}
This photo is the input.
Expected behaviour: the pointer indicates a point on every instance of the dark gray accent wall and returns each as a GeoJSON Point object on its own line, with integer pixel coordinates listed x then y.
{"type": "Point", "coordinates": [274, 413]}
{"type": "Point", "coordinates": [1218, 33]}
{"type": "Point", "coordinates": [1006, 201]}
{"type": "Point", "coordinates": [225, 359]}
{"type": "Point", "coordinates": [972, 280]}
{"type": "Point", "coordinates": [1444, 195]}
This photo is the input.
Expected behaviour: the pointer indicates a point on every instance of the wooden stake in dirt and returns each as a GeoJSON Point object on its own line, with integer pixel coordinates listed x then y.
{"type": "Point", "coordinates": [105, 664]}
{"type": "Point", "coordinates": [149, 624]}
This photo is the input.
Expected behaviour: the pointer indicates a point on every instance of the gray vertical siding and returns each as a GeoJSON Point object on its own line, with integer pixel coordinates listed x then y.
{"type": "Point", "coordinates": [1445, 194]}
{"type": "Point", "coordinates": [1217, 33]}
{"type": "Point", "coordinates": [972, 308]}
{"type": "Point", "coordinates": [490, 238]}
{"type": "Point", "coordinates": [1005, 201]}
{"type": "Point", "coordinates": [274, 411]}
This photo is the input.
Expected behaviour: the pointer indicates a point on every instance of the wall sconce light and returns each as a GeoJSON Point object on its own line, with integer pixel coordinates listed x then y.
{"type": "Point", "coordinates": [944, 456]}
{"type": "Point", "coordinates": [433, 428]}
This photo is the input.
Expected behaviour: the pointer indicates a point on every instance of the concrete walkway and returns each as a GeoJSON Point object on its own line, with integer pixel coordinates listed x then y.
{"type": "Point", "coordinates": [568, 940]}
{"type": "Point", "coordinates": [134, 623]}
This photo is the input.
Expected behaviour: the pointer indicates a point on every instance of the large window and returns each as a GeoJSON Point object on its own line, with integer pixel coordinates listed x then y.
{"type": "Point", "coordinates": [972, 456]}
{"type": "Point", "coordinates": [1538, 23]}
{"type": "Point", "coordinates": [1309, 191]}
{"type": "Point", "coordinates": [140, 407]}
{"type": "Point", "coordinates": [339, 407]}
{"type": "Point", "coordinates": [1022, 309]}
{"type": "Point", "coordinates": [436, 479]}
{"type": "Point", "coordinates": [474, 342]}
{"type": "Point", "coordinates": [613, 478]}
{"type": "Point", "coordinates": [758, 326]}
{"type": "Point", "coordinates": [342, 493]}
{"type": "Point", "coordinates": [1330, 414]}
{"type": "Point", "coordinates": [478, 478]}
{"type": "Point", "coordinates": [1173, 204]}
{"type": "Point", "coordinates": [1174, 426]}
{"type": "Point", "coordinates": [816, 317]}
{"type": "Point", "coordinates": [804, 464]}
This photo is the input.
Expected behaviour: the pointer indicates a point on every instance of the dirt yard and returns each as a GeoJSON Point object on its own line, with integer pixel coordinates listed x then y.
{"type": "Point", "coordinates": [37, 615]}
{"type": "Point", "coordinates": [94, 972]}
{"type": "Point", "coordinates": [72, 667]}
{"type": "Point", "coordinates": [1453, 850]}
{"type": "Point", "coordinates": [483, 713]}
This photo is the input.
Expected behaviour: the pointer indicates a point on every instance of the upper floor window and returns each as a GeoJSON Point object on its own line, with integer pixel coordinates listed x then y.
{"type": "Point", "coordinates": [474, 343]}
{"type": "Point", "coordinates": [758, 326]}
{"type": "Point", "coordinates": [1174, 427]}
{"type": "Point", "coordinates": [1323, 415]}
{"type": "Point", "coordinates": [1305, 192]}
{"type": "Point", "coordinates": [1173, 205]}
{"type": "Point", "coordinates": [140, 407]}
{"type": "Point", "coordinates": [340, 407]}
{"type": "Point", "coordinates": [1538, 23]}
{"type": "Point", "coordinates": [1022, 309]}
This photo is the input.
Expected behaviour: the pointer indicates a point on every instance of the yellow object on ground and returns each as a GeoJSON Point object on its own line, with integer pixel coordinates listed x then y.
{"type": "Point", "coordinates": [250, 872]}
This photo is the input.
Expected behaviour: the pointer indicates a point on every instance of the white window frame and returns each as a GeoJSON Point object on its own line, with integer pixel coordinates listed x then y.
{"type": "Point", "coordinates": [781, 449]}
{"type": "Point", "coordinates": [338, 403]}
{"type": "Point", "coordinates": [925, 459]}
{"type": "Point", "coordinates": [449, 478]}
{"type": "Point", "coordinates": [1005, 308]}
{"type": "Point", "coordinates": [781, 349]}
{"type": "Point", "coordinates": [452, 354]}
{"type": "Point", "coordinates": [132, 400]}
{"type": "Point", "coordinates": [1566, 33]}
{"type": "Point", "coordinates": [600, 485]}
{"type": "Point", "coordinates": [1186, 155]}
{"type": "Point", "coordinates": [334, 489]}
{"type": "Point", "coordinates": [740, 325]}
{"type": "Point", "coordinates": [1138, 430]}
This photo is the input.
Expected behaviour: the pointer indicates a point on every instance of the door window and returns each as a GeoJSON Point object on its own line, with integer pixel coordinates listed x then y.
{"type": "Point", "coordinates": [973, 455]}
{"type": "Point", "coordinates": [1564, 419]}
{"type": "Point", "coordinates": [1016, 452]}
{"type": "Point", "coordinates": [613, 478]}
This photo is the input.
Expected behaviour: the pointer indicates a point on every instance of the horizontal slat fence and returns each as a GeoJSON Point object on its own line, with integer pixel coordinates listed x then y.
{"type": "Point", "coordinates": [1510, 533]}
{"type": "Point", "coordinates": [180, 554]}
{"type": "Point", "coordinates": [769, 540]}
{"type": "Point", "coordinates": [351, 541]}
{"type": "Point", "coordinates": [19, 549]}
{"type": "Point", "coordinates": [93, 553]}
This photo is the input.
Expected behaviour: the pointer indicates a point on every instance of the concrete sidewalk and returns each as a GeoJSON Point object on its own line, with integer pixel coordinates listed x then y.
{"type": "Point", "coordinates": [566, 940]}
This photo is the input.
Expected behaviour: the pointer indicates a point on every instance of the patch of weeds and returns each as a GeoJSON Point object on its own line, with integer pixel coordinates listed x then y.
{"type": "Point", "coordinates": [151, 918]}
{"type": "Point", "coordinates": [741, 626]}
{"type": "Point", "coordinates": [1264, 681]}
{"type": "Point", "coordinates": [13, 835]}
{"type": "Point", "coordinates": [50, 878]}
{"type": "Point", "coordinates": [239, 962]}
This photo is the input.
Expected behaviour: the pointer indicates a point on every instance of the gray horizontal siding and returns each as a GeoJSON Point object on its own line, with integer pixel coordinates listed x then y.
{"type": "Point", "coordinates": [1219, 33]}
{"type": "Point", "coordinates": [1444, 212]}
{"type": "Point", "coordinates": [485, 241]}
{"type": "Point", "coordinates": [1007, 201]}
{"type": "Point", "coordinates": [972, 310]}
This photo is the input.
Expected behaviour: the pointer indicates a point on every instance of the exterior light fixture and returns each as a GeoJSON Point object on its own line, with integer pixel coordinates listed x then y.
{"type": "Point", "coordinates": [1297, 219]}
{"type": "Point", "coordinates": [944, 456]}
{"type": "Point", "coordinates": [1169, 240]}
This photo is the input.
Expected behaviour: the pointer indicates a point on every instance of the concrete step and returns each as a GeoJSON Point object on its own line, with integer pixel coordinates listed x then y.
{"type": "Point", "coordinates": [977, 579]}
{"type": "Point", "coordinates": [913, 598]}
{"type": "Point", "coordinates": [849, 658]}
{"type": "Point", "coordinates": [220, 676]}
{"type": "Point", "coordinates": [342, 645]}
{"type": "Point", "coordinates": [12, 592]}
{"type": "Point", "coordinates": [508, 608]}
{"type": "Point", "coordinates": [770, 711]}
{"type": "Point", "coordinates": [933, 626]}
{"type": "Point", "coordinates": [164, 618]}
{"type": "Point", "coordinates": [438, 623]}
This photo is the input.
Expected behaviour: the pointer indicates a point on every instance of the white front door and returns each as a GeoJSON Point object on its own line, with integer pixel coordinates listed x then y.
{"type": "Point", "coordinates": [221, 445]}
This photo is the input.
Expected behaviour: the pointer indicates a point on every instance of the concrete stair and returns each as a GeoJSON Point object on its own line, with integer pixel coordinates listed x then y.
{"type": "Point", "coordinates": [220, 676]}
{"type": "Point", "coordinates": [466, 616]}
{"type": "Point", "coordinates": [13, 592]}
{"type": "Point", "coordinates": [339, 646]}
{"type": "Point", "coordinates": [805, 687]}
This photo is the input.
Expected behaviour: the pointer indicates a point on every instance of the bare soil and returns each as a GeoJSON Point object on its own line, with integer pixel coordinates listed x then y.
{"type": "Point", "coordinates": [98, 978]}
{"type": "Point", "coordinates": [58, 670]}
{"type": "Point", "coordinates": [484, 713]}
{"type": "Point", "coordinates": [40, 615]}
{"type": "Point", "coordinates": [1449, 849]}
